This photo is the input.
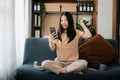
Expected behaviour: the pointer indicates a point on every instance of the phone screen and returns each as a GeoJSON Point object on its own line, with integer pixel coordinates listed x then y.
{"type": "Point", "coordinates": [52, 29]}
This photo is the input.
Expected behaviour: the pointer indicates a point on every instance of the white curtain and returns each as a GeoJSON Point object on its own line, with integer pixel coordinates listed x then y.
{"type": "Point", "coordinates": [14, 29]}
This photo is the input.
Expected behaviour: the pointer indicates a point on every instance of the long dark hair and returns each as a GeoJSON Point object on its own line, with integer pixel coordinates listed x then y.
{"type": "Point", "coordinates": [71, 33]}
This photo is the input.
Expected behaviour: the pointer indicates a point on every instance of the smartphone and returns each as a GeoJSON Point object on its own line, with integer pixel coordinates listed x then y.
{"type": "Point", "coordinates": [52, 29]}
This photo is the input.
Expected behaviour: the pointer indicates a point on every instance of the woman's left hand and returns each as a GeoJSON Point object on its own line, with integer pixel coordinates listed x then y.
{"type": "Point", "coordinates": [80, 21]}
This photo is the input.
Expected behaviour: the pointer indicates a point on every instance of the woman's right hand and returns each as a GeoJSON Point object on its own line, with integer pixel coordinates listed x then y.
{"type": "Point", "coordinates": [53, 37]}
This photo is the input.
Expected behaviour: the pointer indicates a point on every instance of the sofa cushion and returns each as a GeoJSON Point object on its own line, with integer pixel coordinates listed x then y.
{"type": "Point", "coordinates": [96, 51]}
{"type": "Point", "coordinates": [28, 72]}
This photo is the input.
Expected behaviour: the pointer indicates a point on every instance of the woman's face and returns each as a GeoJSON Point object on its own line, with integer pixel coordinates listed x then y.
{"type": "Point", "coordinates": [64, 22]}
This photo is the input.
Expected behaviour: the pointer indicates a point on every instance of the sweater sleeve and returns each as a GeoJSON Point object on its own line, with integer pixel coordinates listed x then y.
{"type": "Point", "coordinates": [52, 45]}
{"type": "Point", "coordinates": [80, 33]}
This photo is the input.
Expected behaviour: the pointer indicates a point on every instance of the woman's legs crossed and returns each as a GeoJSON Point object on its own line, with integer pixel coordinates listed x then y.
{"type": "Point", "coordinates": [57, 68]}
{"type": "Point", "coordinates": [52, 66]}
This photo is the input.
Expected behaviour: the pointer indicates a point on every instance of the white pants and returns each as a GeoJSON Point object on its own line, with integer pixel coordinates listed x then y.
{"type": "Point", "coordinates": [55, 66]}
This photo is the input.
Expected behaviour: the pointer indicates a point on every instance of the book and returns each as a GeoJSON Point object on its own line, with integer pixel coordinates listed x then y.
{"type": "Point", "coordinates": [37, 33]}
{"type": "Point", "coordinates": [35, 16]}
{"type": "Point", "coordinates": [39, 20]}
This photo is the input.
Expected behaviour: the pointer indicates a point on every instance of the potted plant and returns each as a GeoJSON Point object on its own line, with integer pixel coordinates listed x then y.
{"type": "Point", "coordinates": [42, 15]}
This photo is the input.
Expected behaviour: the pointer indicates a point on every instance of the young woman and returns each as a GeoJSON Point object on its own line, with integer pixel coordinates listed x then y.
{"type": "Point", "coordinates": [65, 41]}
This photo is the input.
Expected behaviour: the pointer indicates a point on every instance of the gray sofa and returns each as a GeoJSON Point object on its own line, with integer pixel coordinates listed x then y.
{"type": "Point", "coordinates": [37, 49]}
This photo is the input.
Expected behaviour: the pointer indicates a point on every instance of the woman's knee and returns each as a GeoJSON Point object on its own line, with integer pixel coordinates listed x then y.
{"type": "Point", "coordinates": [84, 62]}
{"type": "Point", "coordinates": [46, 62]}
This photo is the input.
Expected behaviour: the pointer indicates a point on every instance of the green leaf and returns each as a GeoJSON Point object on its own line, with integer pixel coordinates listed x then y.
{"type": "Point", "coordinates": [79, 27]}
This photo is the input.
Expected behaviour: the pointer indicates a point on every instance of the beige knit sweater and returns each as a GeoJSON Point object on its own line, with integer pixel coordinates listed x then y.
{"type": "Point", "coordinates": [68, 51]}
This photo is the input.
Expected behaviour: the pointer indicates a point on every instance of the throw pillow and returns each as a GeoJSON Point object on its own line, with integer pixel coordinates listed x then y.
{"type": "Point", "coordinates": [96, 51]}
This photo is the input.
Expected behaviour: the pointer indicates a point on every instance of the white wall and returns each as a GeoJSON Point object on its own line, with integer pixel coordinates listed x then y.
{"type": "Point", "coordinates": [105, 18]}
